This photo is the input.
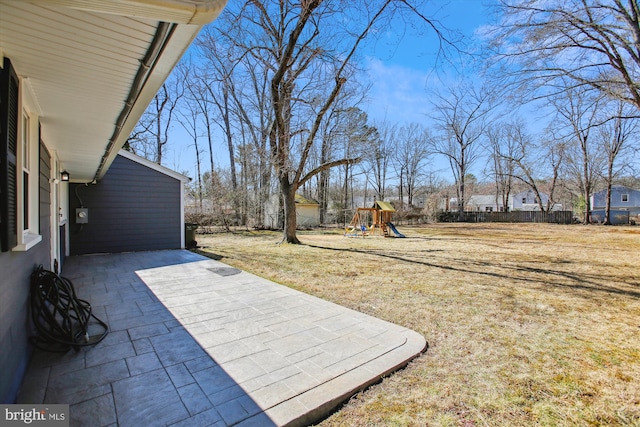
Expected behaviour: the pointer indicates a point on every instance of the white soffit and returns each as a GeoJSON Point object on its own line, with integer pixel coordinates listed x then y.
{"type": "Point", "coordinates": [81, 64]}
{"type": "Point", "coordinates": [195, 12]}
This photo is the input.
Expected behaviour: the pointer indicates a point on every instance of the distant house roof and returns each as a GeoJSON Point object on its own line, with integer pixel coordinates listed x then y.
{"type": "Point", "coordinates": [619, 188]}
{"type": "Point", "coordinates": [301, 200]}
{"type": "Point", "coordinates": [482, 200]}
{"type": "Point", "coordinates": [384, 206]}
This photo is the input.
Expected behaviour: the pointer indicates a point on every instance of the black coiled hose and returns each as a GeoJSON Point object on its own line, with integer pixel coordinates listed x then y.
{"type": "Point", "coordinates": [60, 317]}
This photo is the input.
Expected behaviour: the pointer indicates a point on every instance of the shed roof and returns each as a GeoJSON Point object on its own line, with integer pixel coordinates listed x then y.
{"type": "Point", "coordinates": [151, 165]}
{"type": "Point", "coordinates": [301, 200]}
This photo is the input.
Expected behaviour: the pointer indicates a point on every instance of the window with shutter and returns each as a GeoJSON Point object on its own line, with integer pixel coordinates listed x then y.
{"type": "Point", "coordinates": [9, 115]}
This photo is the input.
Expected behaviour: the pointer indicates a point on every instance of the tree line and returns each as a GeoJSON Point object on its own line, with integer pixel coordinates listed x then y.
{"type": "Point", "coordinates": [277, 84]}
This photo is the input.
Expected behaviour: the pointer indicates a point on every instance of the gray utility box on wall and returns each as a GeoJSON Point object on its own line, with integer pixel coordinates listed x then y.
{"type": "Point", "coordinates": [82, 215]}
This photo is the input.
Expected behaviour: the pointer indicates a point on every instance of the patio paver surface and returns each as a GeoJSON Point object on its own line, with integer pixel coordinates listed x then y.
{"type": "Point", "coordinates": [195, 342]}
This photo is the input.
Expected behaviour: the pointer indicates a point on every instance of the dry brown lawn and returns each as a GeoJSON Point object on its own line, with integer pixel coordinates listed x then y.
{"type": "Point", "coordinates": [527, 324]}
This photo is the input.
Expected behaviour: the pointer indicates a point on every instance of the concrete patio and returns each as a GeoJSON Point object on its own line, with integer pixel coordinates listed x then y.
{"type": "Point", "coordinates": [195, 342]}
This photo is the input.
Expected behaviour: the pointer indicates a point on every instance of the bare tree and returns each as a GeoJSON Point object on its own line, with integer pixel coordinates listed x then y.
{"type": "Point", "coordinates": [151, 135]}
{"type": "Point", "coordinates": [345, 132]}
{"type": "Point", "coordinates": [251, 108]}
{"type": "Point", "coordinates": [237, 82]}
{"type": "Point", "coordinates": [577, 118]}
{"type": "Point", "coordinates": [307, 49]}
{"type": "Point", "coordinates": [411, 153]}
{"type": "Point", "coordinates": [521, 158]}
{"type": "Point", "coordinates": [503, 149]}
{"type": "Point", "coordinates": [460, 116]}
{"type": "Point", "coordinates": [572, 44]}
{"type": "Point", "coordinates": [188, 117]}
{"type": "Point", "coordinates": [614, 135]}
{"type": "Point", "coordinates": [377, 159]}
{"type": "Point", "coordinates": [554, 156]}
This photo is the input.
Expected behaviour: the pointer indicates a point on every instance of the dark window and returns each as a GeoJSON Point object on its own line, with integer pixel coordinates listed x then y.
{"type": "Point", "coordinates": [625, 197]}
{"type": "Point", "coordinates": [25, 191]}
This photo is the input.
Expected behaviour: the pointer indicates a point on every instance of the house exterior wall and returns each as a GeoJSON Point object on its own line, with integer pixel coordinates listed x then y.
{"type": "Point", "coordinates": [526, 201]}
{"type": "Point", "coordinates": [133, 208]}
{"type": "Point", "coordinates": [481, 203]}
{"type": "Point", "coordinates": [16, 268]}
{"type": "Point", "coordinates": [598, 199]}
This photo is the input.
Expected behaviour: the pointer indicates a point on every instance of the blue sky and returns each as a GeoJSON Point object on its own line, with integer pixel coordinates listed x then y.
{"type": "Point", "coordinates": [402, 76]}
{"type": "Point", "coordinates": [401, 66]}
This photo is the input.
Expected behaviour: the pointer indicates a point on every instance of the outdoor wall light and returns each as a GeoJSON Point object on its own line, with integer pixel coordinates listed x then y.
{"type": "Point", "coordinates": [64, 176]}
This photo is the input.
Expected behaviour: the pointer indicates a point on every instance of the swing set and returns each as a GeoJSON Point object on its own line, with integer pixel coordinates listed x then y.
{"type": "Point", "coordinates": [369, 221]}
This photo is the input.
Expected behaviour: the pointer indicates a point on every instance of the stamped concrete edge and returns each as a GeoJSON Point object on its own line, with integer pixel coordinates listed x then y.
{"type": "Point", "coordinates": [323, 399]}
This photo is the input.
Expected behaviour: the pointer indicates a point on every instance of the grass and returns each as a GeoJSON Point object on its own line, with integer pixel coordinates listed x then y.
{"type": "Point", "coordinates": [527, 324]}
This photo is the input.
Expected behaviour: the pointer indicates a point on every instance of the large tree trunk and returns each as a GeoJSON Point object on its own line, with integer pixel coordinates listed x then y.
{"type": "Point", "coordinates": [289, 196]}
{"type": "Point", "coordinates": [587, 185]}
{"type": "Point", "coordinates": [461, 198]}
{"type": "Point", "coordinates": [607, 207]}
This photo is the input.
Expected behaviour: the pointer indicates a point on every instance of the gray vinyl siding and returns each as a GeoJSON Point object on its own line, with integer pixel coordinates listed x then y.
{"type": "Point", "coordinates": [45, 194]}
{"type": "Point", "coordinates": [16, 268]}
{"type": "Point", "coordinates": [632, 204]}
{"type": "Point", "coordinates": [133, 208]}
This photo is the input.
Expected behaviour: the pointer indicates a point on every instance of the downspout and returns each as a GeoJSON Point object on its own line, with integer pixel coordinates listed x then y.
{"type": "Point", "coordinates": [160, 39]}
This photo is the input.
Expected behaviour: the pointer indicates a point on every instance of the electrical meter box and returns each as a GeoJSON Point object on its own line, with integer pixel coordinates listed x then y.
{"type": "Point", "coordinates": [82, 215]}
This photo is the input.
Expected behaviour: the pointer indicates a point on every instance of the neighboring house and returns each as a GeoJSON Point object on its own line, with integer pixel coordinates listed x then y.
{"type": "Point", "coordinates": [475, 203]}
{"type": "Point", "coordinates": [523, 201]}
{"type": "Point", "coordinates": [307, 212]}
{"type": "Point", "coordinates": [527, 201]}
{"type": "Point", "coordinates": [625, 205]}
{"type": "Point", "coordinates": [137, 206]}
{"type": "Point", "coordinates": [483, 203]}
{"type": "Point", "coordinates": [75, 77]}
{"type": "Point", "coordinates": [622, 198]}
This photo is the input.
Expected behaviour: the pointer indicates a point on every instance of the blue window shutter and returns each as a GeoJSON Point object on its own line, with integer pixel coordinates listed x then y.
{"type": "Point", "coordinates": [8, 155]}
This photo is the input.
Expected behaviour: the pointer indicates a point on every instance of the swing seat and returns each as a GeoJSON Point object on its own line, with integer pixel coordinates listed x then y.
{"type": "Point", "coordinates": [367, 230]}
{"type": "Point", "coordinates": [350, 231]}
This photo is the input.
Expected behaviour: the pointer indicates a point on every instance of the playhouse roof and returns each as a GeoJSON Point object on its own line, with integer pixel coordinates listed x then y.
{"type": "Point", "coordinates": [384, 206]}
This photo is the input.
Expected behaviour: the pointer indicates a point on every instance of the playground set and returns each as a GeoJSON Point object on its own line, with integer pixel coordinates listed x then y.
{"type": "Point", "coordinates": [372, 221]}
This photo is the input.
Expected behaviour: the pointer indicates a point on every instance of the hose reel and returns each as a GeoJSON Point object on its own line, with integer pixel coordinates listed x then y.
{"type": "Point", "coordinates": [63, 320]}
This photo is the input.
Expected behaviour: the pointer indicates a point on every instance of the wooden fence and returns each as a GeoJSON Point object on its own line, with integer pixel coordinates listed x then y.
{"type": "Point", "coordinates": [556, 217]}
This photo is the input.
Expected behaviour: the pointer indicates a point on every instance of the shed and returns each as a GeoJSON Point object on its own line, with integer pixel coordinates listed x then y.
{"type": "Point", "coordinates": [137, 206]}
{"type": "Point", "coordinates": [307, 212]}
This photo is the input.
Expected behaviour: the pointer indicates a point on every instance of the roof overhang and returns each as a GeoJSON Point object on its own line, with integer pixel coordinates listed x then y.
{"type": "Point", "coordinates": [94, 66]}
{"type": "Point", "coordinates": [193, 12]}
